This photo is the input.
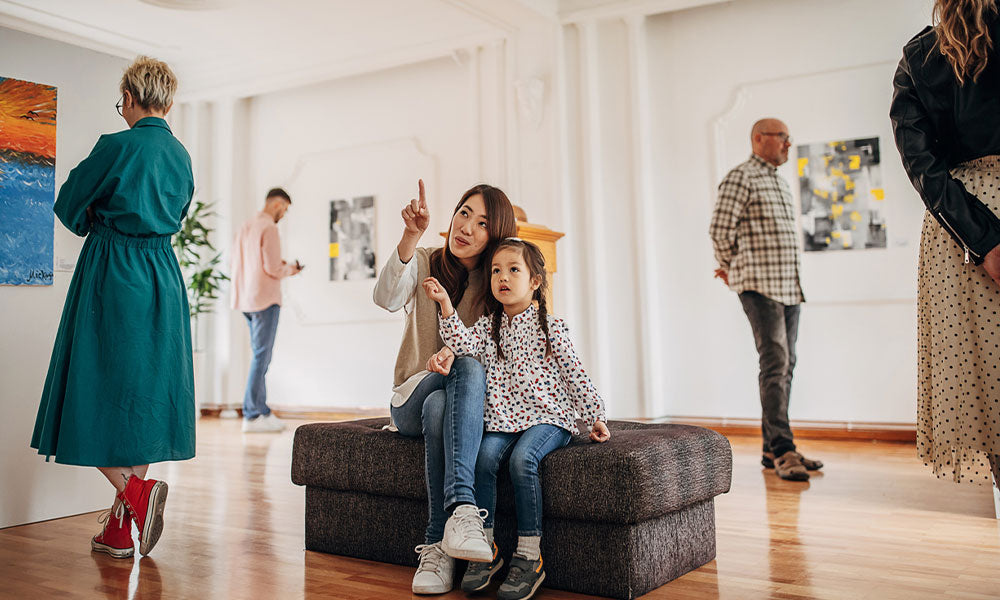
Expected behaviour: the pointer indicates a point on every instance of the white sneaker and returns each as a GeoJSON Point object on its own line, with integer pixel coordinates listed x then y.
{"type": "Point", "coordinates": [436, 571]}
{"type": "Point", "coordinates": [464, 537]}
{"type": "Point", "coordinates": [268, 424]}
{"type": "Point", "coordinates": [275, 421]}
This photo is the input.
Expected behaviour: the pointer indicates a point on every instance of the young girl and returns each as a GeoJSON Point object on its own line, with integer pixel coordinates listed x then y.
{"type": "Point", "coordinates": [536, 388]}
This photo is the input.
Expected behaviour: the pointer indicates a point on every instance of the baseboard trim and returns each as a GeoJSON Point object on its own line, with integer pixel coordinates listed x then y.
{"type": "Point", "coordinates": [806, 430]}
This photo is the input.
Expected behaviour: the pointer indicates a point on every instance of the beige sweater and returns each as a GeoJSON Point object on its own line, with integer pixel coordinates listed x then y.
{"type": "Point", "coordinates": [420, 334]}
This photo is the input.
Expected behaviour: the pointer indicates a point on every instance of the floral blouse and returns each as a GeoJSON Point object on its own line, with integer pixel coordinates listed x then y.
{"type": "Point", "coordinates": [527, 388]}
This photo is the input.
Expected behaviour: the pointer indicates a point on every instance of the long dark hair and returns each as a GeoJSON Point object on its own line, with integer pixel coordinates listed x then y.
{"type": "Point", "coordinates": [535, 262]}
{"type": "Point", "coordinates": [500, 224]}
{"type": "Point", "coordinates": [963, 35]}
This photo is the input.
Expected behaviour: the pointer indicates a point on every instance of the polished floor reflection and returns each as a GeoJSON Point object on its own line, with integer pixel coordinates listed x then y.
{"type": "Point", "coordinates": [873, 524]}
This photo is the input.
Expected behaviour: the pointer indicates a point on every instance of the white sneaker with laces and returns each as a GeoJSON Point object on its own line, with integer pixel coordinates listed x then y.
{"type": "Point", "coordinates": [464, 537]}
{"type": "Point", "coordinates": [262, 425]}
{"type": "Point", "coordinates": [436, 571]}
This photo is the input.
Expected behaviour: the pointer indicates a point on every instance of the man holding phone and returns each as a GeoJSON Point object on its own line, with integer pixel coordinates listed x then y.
{"type": "Point", "coordinates": [257, 271]}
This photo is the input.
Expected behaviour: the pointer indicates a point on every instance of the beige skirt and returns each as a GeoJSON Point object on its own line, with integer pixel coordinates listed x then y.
{"type": "Point", "coordinates": [958, 345]}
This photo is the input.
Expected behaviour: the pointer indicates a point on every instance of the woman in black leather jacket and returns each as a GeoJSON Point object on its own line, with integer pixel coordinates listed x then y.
{"type": "Point", "coordinates": [946, 118]}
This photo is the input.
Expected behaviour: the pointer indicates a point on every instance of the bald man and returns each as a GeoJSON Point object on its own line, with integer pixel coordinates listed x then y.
{"type": "Point", "coordinates": [756, 242]}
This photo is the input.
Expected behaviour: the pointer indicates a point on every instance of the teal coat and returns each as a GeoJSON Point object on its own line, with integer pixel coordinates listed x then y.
{"type": "Point", "coordinates": [120, 386]}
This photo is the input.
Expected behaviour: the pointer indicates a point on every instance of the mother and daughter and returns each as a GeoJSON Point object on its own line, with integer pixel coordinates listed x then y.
{"type": "Point", "coordinates": [483, 296]}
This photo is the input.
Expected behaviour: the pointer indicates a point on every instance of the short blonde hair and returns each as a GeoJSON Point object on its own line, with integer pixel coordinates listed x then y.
{"type": "Point", "coordinates": [151, 83]}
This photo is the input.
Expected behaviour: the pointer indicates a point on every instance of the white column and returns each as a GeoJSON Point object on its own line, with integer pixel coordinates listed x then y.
{"type": "Point", "coordinates": [569, 259]}
{"type": "Point", "coordinates": [647, 300]}
{"type": "Point", "coordinates": [594, 199]}
{"type": "Point", "coordinates": [222, 204]}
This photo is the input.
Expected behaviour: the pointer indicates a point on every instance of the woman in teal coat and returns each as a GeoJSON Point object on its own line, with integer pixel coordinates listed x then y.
{"type": "Point", "coordinates": [119, 393]}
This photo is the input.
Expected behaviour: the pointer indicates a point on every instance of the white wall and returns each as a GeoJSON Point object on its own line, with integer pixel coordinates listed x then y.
{"type": "Point", "coordinates": [641, 116]}
{"type": "Point", "coordinates": [825, 68]}
{"type": "Point", "coordinates": [87, 85]}
{"type": "Point", "coordinates": [373, 134]}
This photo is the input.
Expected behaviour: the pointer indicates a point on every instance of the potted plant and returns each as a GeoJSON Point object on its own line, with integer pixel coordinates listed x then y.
{"type": "Point", "coordinates": [198, 259]}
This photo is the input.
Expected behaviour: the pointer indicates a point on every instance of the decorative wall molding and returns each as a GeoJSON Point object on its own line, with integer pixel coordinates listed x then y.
{"type": "Point", "coordinates": [739, 100]}
{"type": "Point", "coordinates": [632, 8]}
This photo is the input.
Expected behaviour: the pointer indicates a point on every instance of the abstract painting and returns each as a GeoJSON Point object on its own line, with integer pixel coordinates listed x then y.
{"type": "Point", "coordinates": [352, 253]}
{"type": "Point", "coordinates": [842, 195]}
{"type": "Point", "coordinates": [27, 181]}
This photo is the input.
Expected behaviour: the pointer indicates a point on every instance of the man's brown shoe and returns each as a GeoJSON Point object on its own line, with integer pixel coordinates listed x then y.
{"type": "Point", "coordinates": [767, 459]}
{"type": "Point", "coordinates": [789, 466]}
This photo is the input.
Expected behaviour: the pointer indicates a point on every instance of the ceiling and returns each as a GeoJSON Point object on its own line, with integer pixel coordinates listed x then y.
{"type": "Point", "coordinates": [240, 48]}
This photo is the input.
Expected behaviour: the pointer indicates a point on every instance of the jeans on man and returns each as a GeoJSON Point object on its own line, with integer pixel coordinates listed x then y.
{"type": "Point", "coordinates": [775, 329]}
{"type": "Point", "coordinates": [526, 450]}
{"type": "Point", "coordinates": [447, 411]}
{"type": "Point", "coordinates": [263, 326]}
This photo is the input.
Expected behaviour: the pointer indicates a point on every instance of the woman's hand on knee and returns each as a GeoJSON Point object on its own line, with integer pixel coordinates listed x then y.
{"type": "Point", "coordinates": [441, 362]}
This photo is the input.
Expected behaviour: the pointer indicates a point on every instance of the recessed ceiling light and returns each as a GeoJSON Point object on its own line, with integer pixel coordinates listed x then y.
{"type": "Point", "coordinates": [190, 4]}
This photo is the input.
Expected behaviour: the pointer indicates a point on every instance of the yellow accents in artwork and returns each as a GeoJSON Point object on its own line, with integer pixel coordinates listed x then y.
{"type": "Point", "coordinates": [878, 193]}
{"type": "Point", "coordinates": [836, 210]}
{"type": "Point", "coordinates": [827, 240]}
{"type": "Point", "coordinates": [334, 250]}
{"type": "Point", "coordinates": [855, 162]}
{"type": "Point", "coordinates": [855, 216]}
{"type": "Point", "coordinates": [836, 235]}
{"type": "Point", "coordinates": [848, 184]}
{"type": "Point", "coordinates": [822, 193]}
{"type": "Point", "coordinates": [835, 172]}
{"type": "Point", "coordinates": [802, 166]}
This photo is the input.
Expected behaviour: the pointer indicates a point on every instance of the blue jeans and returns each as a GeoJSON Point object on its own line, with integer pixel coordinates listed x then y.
{"type": "Point", "coordinates": [447, 410]}
{"type": "Point", "coordinates": [526, 450]}
{"type": "Point", "coordinates": [775, 329]}
{"type": "Point", "coordinates": [263, 327]}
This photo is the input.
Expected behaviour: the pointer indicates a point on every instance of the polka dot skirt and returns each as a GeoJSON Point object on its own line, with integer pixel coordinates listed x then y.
{"type": "Point", "coordinates": [958, 345]}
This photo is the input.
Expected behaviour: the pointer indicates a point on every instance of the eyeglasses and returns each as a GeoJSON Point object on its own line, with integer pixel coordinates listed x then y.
{"type": "Point", "coordinates": [118, 106]}
{"type": "Point", "coordinates": [784, 137]}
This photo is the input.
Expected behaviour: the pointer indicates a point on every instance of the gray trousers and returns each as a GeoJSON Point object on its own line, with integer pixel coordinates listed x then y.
{"type": "Point", "coordinates": [775, 329]}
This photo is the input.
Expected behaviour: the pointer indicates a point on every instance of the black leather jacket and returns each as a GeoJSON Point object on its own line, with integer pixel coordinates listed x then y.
{"type": "Point", "coordinates": [939, 124]}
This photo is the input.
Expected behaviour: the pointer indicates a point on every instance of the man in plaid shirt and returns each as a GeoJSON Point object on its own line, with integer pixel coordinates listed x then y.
{"type": "Point", "coordinates": [756, 242]}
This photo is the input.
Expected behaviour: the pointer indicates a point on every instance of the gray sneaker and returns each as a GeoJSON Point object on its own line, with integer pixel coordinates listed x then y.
{"type": "Point", "coordinates": [522, 580]}
{"type": "Point", "coordinates": [478, 574]}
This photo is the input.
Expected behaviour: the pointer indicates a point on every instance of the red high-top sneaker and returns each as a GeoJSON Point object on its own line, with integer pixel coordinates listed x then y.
{"type": "Point", "coordinates": [116, 537]}
{"type": "Point", "coordinates": [145, 498]}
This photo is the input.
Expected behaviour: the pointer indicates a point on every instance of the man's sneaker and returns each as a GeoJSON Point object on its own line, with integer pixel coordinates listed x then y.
{"type": "Point", "coordinates": [116, 537]}
{"type": "Point", "coordinates": [144, 499]}
{"type": "Point", "coordinates": [464, 537]}
{"type": "Point", "coordinates": [436, 571]}
{"type": "Point", "coordinates": [263, 424]}
{"type": "Point", "coordinates": [522, 580]}
{"type": "Point", "coordinates": [789, 466]}
{"type": "Point", "coordinates": [478, 574]}
{"type": "Point", "coordinates": [767, 459]}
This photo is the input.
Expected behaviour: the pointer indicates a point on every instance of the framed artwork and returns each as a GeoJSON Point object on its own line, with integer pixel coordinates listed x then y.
{"type": "Point", "coordinates": [27, 181]}
{"type": "Point", "coordinates": [352, 245]}
{"type": "Point", "coordinates": [842, 195]}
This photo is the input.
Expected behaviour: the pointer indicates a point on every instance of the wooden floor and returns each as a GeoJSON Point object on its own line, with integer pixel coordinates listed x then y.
{"type": "Point", "coordinates": [875, 524]}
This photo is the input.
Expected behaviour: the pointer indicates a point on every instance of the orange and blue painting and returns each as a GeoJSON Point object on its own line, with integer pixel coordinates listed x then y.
{"type": "Point", "coordinates": [27, 181]}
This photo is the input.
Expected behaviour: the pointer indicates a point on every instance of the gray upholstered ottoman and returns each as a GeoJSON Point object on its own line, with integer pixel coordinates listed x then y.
{"type": "Point", "coordinates": [621, 518]}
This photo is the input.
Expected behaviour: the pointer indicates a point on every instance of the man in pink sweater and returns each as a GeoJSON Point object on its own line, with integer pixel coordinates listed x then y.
{"type": "Point", "coordinates": [257, 271]}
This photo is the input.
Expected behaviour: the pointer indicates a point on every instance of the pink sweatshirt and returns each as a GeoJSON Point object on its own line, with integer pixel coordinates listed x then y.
{"type": "Point", "coordinates": [257, 268]}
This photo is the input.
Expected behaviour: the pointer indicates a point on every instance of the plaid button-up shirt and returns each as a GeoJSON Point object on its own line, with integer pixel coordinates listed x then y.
{"type": "Point", "coordinates": [755, 234]}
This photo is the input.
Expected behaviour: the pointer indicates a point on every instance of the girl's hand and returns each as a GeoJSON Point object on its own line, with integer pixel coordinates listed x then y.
{"type": "Point", "coordinates": [599, 432]}
{"type": "Point", "coordinates": [441, 362]}
{"type": "Point", "coordinates": [435, 291]}
{"type": "Point", "coordinates": [416, 217]}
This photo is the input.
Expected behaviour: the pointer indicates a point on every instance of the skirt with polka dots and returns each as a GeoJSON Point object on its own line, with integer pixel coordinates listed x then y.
{"type": "Point", "coordinates": [958, 345]}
